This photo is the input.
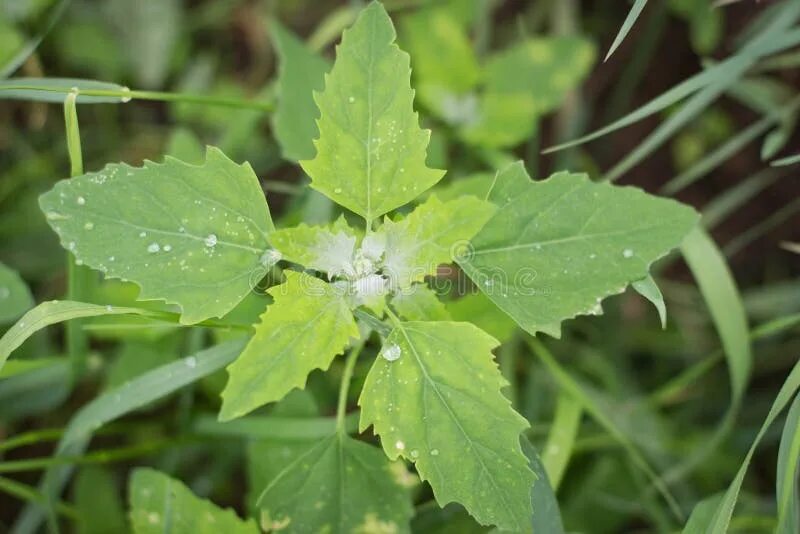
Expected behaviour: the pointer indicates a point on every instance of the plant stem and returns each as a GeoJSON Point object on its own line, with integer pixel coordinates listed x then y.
{"type": "Point", "coordinates": [27, 493]}
{"type": "Point", "coordinates": [161, 96]}
{"type": "Point", "coordinates": [344, 386]}
{"type": "Point", "coordinates": [78, 278]}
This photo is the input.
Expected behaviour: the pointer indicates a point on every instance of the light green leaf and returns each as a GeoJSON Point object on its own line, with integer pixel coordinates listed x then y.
{"type": "Point", "coordinates": [194, 236]}
{"type": "Point", "coordinates": [648, 288]}
{"type": "Point", "coordinates": [162, 504]}
{"type": "Point", "coordinates": [575, 242]}
{"type": "Point", "coordinates": [307, 325]}
{"type": "Point", "coordinates": [441, 53]}
{"type": "Point", "coordinates": [53, 312]}
{"type": "Point", "coordinates": [523, 82]}
{"type": "Point", "coordinates": [477, 185]}
{"type": "Point", "coordinates": [434, 397]}
{"type": "Point", "coordinates": [15, 297]}
{"type": "Point", "coordinates": [300, 73]}
{"type": "Point", "coordinates": [547, 69]}
{"type": "Point", "coordinates": [330, 249]}
{"type": "Point", "coordinates": [433, 234]}
{"type": "Point", "coordinates": [341, 485]}
{"type": "Point", "coordinates": [419, 303]}
{"type": "Point", "coordinates": [371, 151]}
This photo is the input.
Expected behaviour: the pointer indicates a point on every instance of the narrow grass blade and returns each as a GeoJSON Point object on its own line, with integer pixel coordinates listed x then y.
{"type": "Point", "coordinates": [630, 20]}
{"type": "Point", "coordinates": [561, 439]}
{"type": "Point", "coordinates": [53, 312]}
{"type": "Point", "coordinates": [585, 395]}
{"type": "Point", "coordinates": [30, 47]}
{"type": "Point", "coordinates": [718, 156]}
{"type": "Point", "coordinates": [719, 291]}
{"type": "Point", "coordinates": [53, 90]}
{"type": "Point", "coordinates": [117, 402]}
{"type": "Point", "coordinates": [719, 522]}
{"type": "Point", "coordinates": [788, 458]}
{"type": "Point", "coordinates": [788, 160]}
{"type": "Point", "coordinates": [737, 196]}
{"type": "Point", "coordinates": [751, 234]}
{"type": "Point", "coordinates": [688, 112]}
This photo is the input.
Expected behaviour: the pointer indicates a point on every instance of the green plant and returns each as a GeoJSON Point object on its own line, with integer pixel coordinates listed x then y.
{"type": "Point", "coordinates": [199, 236]}
{"type": "Point", "coordinates": [486, 381]}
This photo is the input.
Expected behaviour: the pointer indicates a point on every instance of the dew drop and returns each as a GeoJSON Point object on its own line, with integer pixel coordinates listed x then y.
{"type": "Point", "coordinates": [352, 99]}
{"type": "Point", "coordinates": [88, 226]}
{"type": "Point", "coordinates": [191, 362]}
{"type": "Point", "coordinates": [435, 452]}
{"type": "Point", "coordinates": [414, 453]}
{"type": "Point", "coordinates": [153, 248]}
{"type": "Point", "coordinates": [81, 201]}
{"type": "Point", "coordinates": [627, 253]}
{"type": "Point", "coordinates": [211, 240]}
{"type": "Point", "coordinates": [109, 308]}
{"type": "Point", "coordinates": [142, 234]}
{"type": "Point", "coordinates": [337, 190]}
{"type": "Point", "coordinates": [399, 445]}
{"type": "Point", "coordinates": [167, 248]}
{"type": "Point", "coordinates": [391, 353]}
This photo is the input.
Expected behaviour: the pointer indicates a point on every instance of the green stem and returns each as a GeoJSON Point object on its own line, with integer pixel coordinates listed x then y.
{"type": "Point", "coordinates": [96, 457]}
{"type": "Point", "coordinates": [27, 493]}
{"type": "Point", "coordinates": [78, 277]}
{"type": "Point", "coordinates": [160, 96]}
{"type": "Point", "coordinates": [344, 386]}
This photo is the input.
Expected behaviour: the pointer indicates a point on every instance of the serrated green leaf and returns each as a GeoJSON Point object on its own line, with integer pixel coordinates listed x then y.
{"type": "Point", "coordinates": [371, 151]}
{"type": "Point", "coordinates": [307, 325]}
{"type": "Point", "coordinates": [341, 485]}
{"type": "Point", "coordinates": [575, 243]}
{"type": "Point", "coordinates": [162, 504]}
{"type": "Point", "coordinates": [419, 303]}
{"type": "Point", "coordinates": [300, 73]}
{"type": "Point", "coordinates": [15, 297]}
{"type": "Point", "coordinates": [434, 398]}
{"type": "Point", "coordinates": [189, 235]}
{"type": "Point", "coordinates": [433, 234]}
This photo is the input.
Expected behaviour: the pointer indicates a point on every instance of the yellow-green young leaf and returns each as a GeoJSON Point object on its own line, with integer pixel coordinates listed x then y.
{"type": "Point", "coordinates": [574, 243]}
{"type": "Point", "coordinates": [162, 504]}
{"type": "Point", "coordinates": [433, 234]}
{"type": "Point", "coordinates": [340, 486]}
{"type": "Point", "coordinates": [323, 248]}
{"type": "Point", "coordinates": [300, 73]}
{"type": "Point", "coordinates": [307, 325]}
{"type": "Point", "coordinates": [190, 235]}
{"type": "Point", "coordinates": [371, 151]}
{"type": "Point", "coordinates": [15, 297]}
{"type": "Point", "coordinates": [433, 396]}
{"type": "Point", "coordinates": [419, 303]}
